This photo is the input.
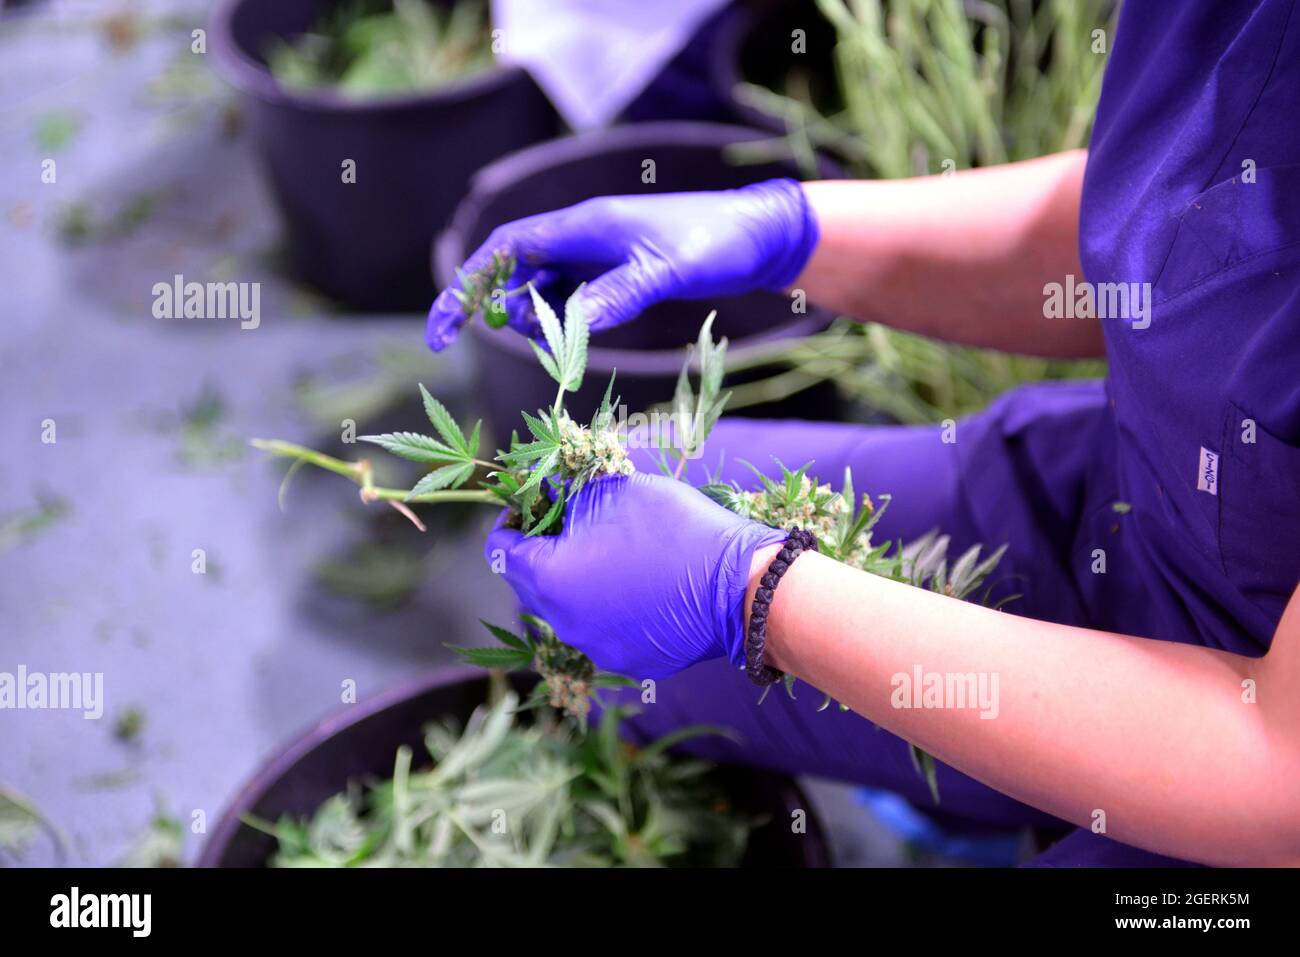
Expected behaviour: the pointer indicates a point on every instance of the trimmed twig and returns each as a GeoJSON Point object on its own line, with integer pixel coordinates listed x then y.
{"type": "Point", "coordinates": [362, 473]}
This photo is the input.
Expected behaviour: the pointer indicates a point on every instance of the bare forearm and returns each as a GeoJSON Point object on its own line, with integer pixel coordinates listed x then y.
{"type": "Point", "coordinates": [961, 257]}
{"type": "Point", "coordinates": [1154, 734]}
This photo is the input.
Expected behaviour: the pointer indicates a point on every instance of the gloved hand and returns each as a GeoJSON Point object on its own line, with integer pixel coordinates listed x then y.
{"type": "Point", "coordinates": [634, 251]}
{"type": "Point", "coordinates": [647, 577]}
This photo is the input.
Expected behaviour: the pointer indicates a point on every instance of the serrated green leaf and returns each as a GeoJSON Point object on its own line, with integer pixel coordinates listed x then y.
{"type": "Point", "coordinates": [475, 435]}
{"type": "Point", "coordinates": [443, 423]}
{"type": "Point", "coordinates": [696, 413]}
{"type": "Point", "coordinates": [551, 331]}
{"type": "Point", "coordinates": [606, 680]}
{"type": "Point", "coordinates": [541, 470]}
{"type": "Point", "coordinates": [541, 428]}
{"type": "Point", "coordinates": [846, 520]}
{"type": "Point", "coordinates": [684, 400]}
{"type": "Point", "coordinates": [524, 455]}
{"type": "Point", "coordinates": [539, 625]}
{"type": "Point", "coordinates": [508, 659]}
{"type": "Point", "coordinates": [508, 481]}
{"type": "Point", "coordinates": [525, 498]}
{"type": "Point", "coordinates": [414, 446]}
{"type": "Point", "coordinates": [449, 476]}
{"type": "Point", "coordinates": [507, 637]}
{"type": "Point", "coordinates": [545, 359]}
{"type": "Point", "coordinates": [605, 411]}
{"type": "Point", "coordinates": [725, 495]}
{"type": "Point", "coordinates": [576, 334]}
{"type": "Point", "coordinates": [553, 513]}
{"type": "Point", "coordinates": [712, 358]}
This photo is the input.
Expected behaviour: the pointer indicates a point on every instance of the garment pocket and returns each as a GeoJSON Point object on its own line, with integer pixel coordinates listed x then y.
{"type": "Point", "coordinates": [1231, 223]}
{"type": "Point", "coordinates": [1259, 511]}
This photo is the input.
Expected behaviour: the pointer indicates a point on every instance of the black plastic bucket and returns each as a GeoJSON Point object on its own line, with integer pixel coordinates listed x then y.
{"type": "Point", "coordinates": [647, 352]}
{"type": "Point", "coordinates": [758, 47]}
{"type": "Point", "coordinates": [360, 744]}
{"type": "Point", "coordinates": [367, 243]}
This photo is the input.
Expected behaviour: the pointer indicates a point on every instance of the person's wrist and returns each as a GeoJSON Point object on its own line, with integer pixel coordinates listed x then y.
{"type": "Point", "coordinates": [789, 230]}
{"type": "Point", "coordinates": [757, 569]}
{"type": "Point", "coordinates": [760, 566]}
{"type": "Point", "coordinates": [735, 583]}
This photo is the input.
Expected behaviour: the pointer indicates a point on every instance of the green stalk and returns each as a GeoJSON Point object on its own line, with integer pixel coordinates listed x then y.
{"type": "Point", "coordinates": [362, 474]}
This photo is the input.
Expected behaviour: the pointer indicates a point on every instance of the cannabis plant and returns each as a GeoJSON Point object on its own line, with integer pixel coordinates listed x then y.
{"type": "Point", "coordinates": [922, 82]}
{"type": "Point", "coordinates": [912, 379]}
{"type": "Point", "coordinates": [554, 461]}
{"type": "Point", "coordinates": [504, 793]}
{"type": "Point", "coordinates": [368, 49]}
{"type": "Point", "coordinates": [927, 86]}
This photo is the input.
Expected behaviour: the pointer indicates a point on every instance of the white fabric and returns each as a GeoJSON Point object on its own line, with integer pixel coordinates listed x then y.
{"type": "Point", "coordinates": [594, 57]}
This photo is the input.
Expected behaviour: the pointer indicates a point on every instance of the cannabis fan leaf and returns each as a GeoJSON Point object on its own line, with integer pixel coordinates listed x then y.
{"type": "Point", "coordinates": [696, 413]}
{"type": "Point", "coordinates": [451, 447]}
{"type": "Point", "coordinates": [567, 360]}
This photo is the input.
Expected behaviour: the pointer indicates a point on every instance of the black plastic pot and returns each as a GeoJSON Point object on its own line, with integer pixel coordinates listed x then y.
{"type": "Point", "coordinates": [360, 743]}
{"type": "Point", "coordinates": [756, 47]}
{"type": "Point", "coordinates": [366, 243]}
{"type": "Point", "coordinates": [649, 351]}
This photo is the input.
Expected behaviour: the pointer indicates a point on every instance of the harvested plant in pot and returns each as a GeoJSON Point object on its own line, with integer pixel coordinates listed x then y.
{"type": "Point", "coordinates": [370, 118]}
{"type": "Point", "coordinates": [447, 772]}
{"type": "Point", "coordinates": [896, 88]}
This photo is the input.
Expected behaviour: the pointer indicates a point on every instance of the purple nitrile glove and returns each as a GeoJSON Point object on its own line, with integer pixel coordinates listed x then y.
{"type": "Point", "coordinates": [635, 251]}
{"type": "Point", "coordinates": [647, 577]}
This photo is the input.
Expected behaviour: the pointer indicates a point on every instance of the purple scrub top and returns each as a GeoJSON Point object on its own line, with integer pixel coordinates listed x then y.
{"type": "Point", "coordinates": [1192, 191]}
{"type": "Point", "coordinates": [1184, 468]}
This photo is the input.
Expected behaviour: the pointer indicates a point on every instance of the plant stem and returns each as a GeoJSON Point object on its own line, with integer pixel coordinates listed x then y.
{"type": "Point", "coordinates": [480, 496]}
{"type": "Point", "coordinates": [362, 474]}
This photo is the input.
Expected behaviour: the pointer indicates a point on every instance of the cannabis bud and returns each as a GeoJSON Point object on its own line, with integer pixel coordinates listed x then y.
{"type": "Point", "coordinates": [601, 452]}
{"type": "Point", "coordinates": [816, 508]}
{"type": "Point", "coordinates": [567, 673]}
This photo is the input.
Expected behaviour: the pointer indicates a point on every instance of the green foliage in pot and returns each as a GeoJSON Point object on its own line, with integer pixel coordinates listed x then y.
{"type": "Point", "coordinates": [927, 86]}
{"type": "Point", "coordinates": [506, 793]}
{"type": "Point", "coordinates": [368, 48]}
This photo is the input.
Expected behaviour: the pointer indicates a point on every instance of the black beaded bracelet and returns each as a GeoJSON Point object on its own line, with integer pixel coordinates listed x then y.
{"type": "Point", "coordinates": [800, 541]}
